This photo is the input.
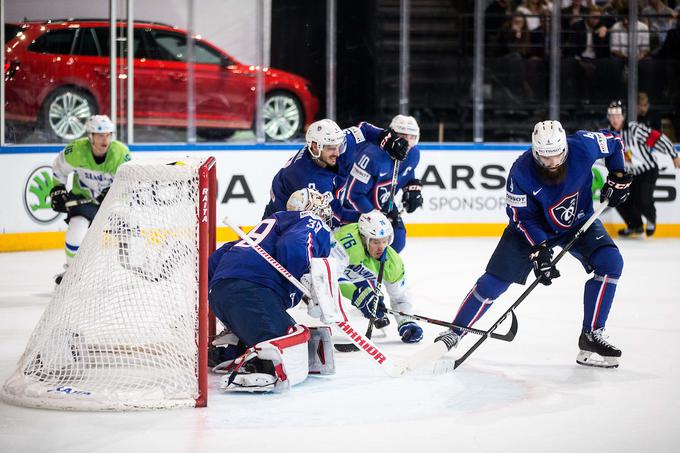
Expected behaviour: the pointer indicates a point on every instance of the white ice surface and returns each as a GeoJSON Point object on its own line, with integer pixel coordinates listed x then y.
{"type": "Point", "coordinates": [523, 396]}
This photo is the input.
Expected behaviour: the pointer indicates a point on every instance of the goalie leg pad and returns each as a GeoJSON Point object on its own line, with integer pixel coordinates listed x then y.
{"type": "Point", "coordinates": [272, 365]}
{"type": "Point", "coordinates": [325, 291]}
{"type": "Point", "coordinates": [321, 358]}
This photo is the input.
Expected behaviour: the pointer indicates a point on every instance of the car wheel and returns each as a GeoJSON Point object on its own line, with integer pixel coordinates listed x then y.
{"type": "Point", "coordinates": [283, 116]}
{"type": "Point", "coordinates": [65, 111]}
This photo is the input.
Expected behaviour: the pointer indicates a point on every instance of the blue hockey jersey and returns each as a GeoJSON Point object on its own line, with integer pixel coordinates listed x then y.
{"type": "Point", "coordinates": [301, 171]}
{"type": "Point", "coordinates": [369, 182]}
{"type": "Point", "coordinates": [541, 211]}
{"type": "Point", "coordinates": [290, 237]}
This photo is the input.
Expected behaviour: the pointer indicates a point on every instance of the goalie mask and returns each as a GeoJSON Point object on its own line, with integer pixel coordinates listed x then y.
{"type": "Point", "coordinates": [549, 145]}
{"type": "Point", "coordinates": [373, 226]}
{"type": "Point", "coordinates": [307, 199]}
{"type": "Point", "coordinates": [325, 133]}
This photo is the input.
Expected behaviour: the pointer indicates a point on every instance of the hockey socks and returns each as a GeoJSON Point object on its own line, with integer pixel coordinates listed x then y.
{"type": "Point", "coordinates": [479, 299]}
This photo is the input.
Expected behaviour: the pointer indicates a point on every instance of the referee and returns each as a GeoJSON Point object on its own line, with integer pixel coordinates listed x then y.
{"type": "Point", "coordinates": [640, 143]}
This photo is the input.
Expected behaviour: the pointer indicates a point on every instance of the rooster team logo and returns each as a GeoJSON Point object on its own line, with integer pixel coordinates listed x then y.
{"type": "Point", "coordinates": [563, 213]}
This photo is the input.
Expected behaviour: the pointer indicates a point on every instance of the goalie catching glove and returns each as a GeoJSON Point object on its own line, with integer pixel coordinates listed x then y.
{"type": "Point", "coordinates": [412, 197]}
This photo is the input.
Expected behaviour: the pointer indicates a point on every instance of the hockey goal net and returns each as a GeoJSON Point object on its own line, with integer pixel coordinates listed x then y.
{"type": "Point", "coordinates": [127, 327]}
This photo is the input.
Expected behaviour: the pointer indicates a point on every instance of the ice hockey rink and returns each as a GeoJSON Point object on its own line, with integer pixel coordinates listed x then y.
{"type": "Point", "coordinates": [526, 395]}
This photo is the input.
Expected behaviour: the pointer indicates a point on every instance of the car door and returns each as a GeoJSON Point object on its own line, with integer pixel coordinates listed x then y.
{"type": "Point", "coordinates": [225, 90]}
{"type": "Point", "coordinates": [167, 51]}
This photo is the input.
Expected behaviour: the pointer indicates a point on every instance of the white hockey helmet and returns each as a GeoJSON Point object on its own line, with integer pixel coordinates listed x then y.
{"type": "Point", "coordinates": [403, 124]}
{"type": "Point", "coordinates": [549, 140]}
{"type": "Point", "coordinates": [324, 132]}
{"type": "Point", "coordinates": [99, 124]}
{"type": "Point", "coordinates": [375, 225]}
{"type": "Point", "coordinates": [307, 199]}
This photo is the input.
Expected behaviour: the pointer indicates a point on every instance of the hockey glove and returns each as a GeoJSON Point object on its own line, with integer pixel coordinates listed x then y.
{"type": "Point", "coordinates": [59, 196]}
{"type": "Point", "coordinates": [364, 297]}
{"type": "Point", "coordinates": [541, 257]}
{"type": "Point", "coordinates": [392, 144]}
{"type": "Point", "coordinates": [394, 216]}
{"type": "Point", "coordinates": [616, 189]}
{"type": "Point", "coordinates": [411, 197]}
{"type": "Point", "coordinates": [410, 332]}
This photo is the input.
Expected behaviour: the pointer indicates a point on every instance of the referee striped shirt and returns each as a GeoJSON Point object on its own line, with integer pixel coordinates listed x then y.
{"type": "Point", "coordinates": [640, 143]}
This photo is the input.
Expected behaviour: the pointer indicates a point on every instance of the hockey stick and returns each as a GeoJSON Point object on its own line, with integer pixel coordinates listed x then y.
{"type": "Point", "coordinates": [509, 336]}
{"type": "Point", "coordinates": [391, 367]}
{"type": "Point", "coordinates": [80, 201]}
{"type": "Point", "coordinates": [434, 351]}
{"type": "Point", "coordinates": [349, 347]}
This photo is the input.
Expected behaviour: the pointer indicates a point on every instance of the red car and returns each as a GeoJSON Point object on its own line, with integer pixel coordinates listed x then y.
{"type": "Point", "coordinates": [57, 75]}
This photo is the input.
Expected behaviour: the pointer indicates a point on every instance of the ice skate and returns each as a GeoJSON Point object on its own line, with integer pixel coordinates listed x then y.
{"type": "Point", "coordinates": [596, 351]}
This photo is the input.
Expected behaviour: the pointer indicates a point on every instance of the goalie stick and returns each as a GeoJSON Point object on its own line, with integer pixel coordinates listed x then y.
{"type": "Point", "coordinates": [390, 367]}
{"type": "Point", "coordinates": [349, 347]}
{"type": "Point", "coordinates": [431, 353]}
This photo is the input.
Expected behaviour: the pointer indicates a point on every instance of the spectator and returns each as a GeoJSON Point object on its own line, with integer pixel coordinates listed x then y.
{"type": "Point", "coordinates": [590, 38]}
{"type": "Point", "coordinates": [495, 17]}
{"type": "Point", "coordinates": [660, 21]}
{"type": "Point", "coordinates": [644, 115]}
{"type": "Point", "coordinates": [671, 46]}
{"type": "Point", "coordinates": [514, 37]}
{"type": "Point", "coordinates": [619, 38]}
{"type": "Point", "coordinates": [539, 38]}
{"type": "Point", "coordinates": [533, 10]}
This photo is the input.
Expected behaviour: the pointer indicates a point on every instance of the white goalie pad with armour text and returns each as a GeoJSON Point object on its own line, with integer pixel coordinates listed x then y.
{"type": "Point", "coordinates": [325, 291]}
{"type": "Point", "coordinates": [272, 365]}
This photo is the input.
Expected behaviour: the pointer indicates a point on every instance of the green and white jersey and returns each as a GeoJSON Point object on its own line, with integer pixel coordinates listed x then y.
{"type": "Point", "coordinates": [356, 265]}
{"type": "Point", "coordinates": [90, 179]}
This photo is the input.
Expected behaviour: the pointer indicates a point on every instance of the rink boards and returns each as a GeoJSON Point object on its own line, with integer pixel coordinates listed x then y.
{"type": "Point", "coordinates": [463, 189]}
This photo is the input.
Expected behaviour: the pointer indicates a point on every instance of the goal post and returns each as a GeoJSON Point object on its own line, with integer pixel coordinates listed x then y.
{"type": "Point", "coordinates": [128, 327]}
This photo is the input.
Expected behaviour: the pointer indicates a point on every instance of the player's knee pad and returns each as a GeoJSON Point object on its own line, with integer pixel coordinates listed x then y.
{"type": "Point", "coordinates": [320, 351]}
{"type": "Point", "coordinates": [607, 261]}
{"type": "Point", "coordinates": [489, 287]}
{"type": "Point", "coordinates": [272, 365]}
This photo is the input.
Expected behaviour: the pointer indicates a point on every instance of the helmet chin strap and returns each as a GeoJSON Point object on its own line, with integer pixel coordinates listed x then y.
{"type": "Point", "coordinates": [311, 151]}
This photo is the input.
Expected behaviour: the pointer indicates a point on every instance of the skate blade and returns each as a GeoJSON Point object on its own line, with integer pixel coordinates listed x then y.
{"type": "Point", "coordinates": [592, 359]}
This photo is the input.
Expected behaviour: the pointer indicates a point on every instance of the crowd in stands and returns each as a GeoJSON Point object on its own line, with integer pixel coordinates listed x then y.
{"type": "Point", "coordinates": [590, 29]}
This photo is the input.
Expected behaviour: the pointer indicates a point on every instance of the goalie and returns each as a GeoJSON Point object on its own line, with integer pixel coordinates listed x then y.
{"type": "Point", "coordinates": [264, 349]}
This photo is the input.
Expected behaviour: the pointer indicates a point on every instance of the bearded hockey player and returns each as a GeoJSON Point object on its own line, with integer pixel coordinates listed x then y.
{"type": "Point", "coordinates": [548, 199]}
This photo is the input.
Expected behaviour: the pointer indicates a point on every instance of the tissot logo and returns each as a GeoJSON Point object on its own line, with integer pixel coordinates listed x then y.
{"type": "Point", "coordinates": [563, 213]}
{"type": "Point", "coordinates": [37, 195]}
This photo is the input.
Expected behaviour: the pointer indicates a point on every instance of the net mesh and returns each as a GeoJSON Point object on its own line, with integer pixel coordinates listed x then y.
{"type": "Point", "coordinates": [121, 330]}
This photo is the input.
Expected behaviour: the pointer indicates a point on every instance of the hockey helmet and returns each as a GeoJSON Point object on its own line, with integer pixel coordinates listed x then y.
{"type": "Point", "coordinates": [549, 140]}
{"type": "Point", "coordinates": [99, 124]}
{"type": "Point", "coordinates": [403, 124]}
{"type": "Point", "coordinates": [616, 108]}
{"type": "Point", "coordinates": [375, 225]}
{"type": "Point", "coordinates": [324, 133]}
